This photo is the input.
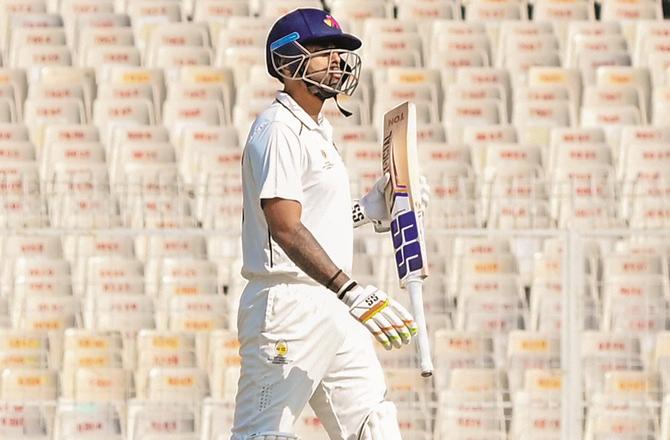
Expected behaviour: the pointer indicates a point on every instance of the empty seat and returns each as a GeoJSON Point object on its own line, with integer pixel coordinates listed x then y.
{"type": "Point", "coordinates": [25, 384]}
{"type": "Point", "coordinates": [536, 411]}
{"type": "Point", "coordinates": [41, 112]}
{"type": "Point", "coordinates": [181, 113]}
{"type": "Point", "coordinates": [94, 38]}
{"type": "Point", "coordinates": [354, 13]}
{"type": "Point", "coordinates": [102, 420]}
{"type": "Point", "coordinates": [461, 349]}
{"type": "Point", "coordinates": [427, 11]}
{"type": "Point", "coordinates": [482, 10]}
{"type": "Point", "coordinates": [275, 11]}
{"type": "Point", "coordinates": [151, 419]}
{"type": "Point", "coordinates": [473, 405]}
{"type": "Point", "coordinates": [35, 58]}
{"type": "Point", "coordinates": [199, 313]}
{"type": "Point", "coordinates": [177, 385]}
{"type": "Point", "coordinates": [196, 140]}
{"type": "Point", "coordinates": [218, 188]}
{"type": "Point", "coordinates": [529, 350]}
{"type": "Point", "coordinates": [217, 418]}
{"type": "Point", "coordinates": [603, 352]}
{"type": "Point", "coordinates": [110, 113]}
{"type": "Point", "coordinates": [123, 312]}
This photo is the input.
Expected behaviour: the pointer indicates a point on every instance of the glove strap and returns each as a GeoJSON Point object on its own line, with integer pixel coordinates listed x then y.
{"type": "Point", "coordinates": [369, 304]}
{"type": "Point", "coordinates": [346, 288]}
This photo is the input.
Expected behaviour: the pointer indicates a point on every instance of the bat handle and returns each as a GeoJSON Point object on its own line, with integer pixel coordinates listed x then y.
{"type": "Point", "coordinates": [415, 290]}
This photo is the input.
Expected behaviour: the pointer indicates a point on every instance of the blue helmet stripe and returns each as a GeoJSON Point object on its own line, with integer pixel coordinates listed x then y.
{"type": "Point", "coordinates": [283, 41]}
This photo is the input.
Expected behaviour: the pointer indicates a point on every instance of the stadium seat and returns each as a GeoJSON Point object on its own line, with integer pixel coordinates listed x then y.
{"type": "Point", "coordinates": [455, 42]}
{"type": "Point", "coordinates": [25, 384]}
{"type": "Point", "coordinates": [101, 420]}
{"type": "Point", "coordinates": [540, 35]}
{"type": "Point", "coordinates": [159, 348]}
{"type": "Point", "coordinates": [396, 42]}
{"type": "Point", "coordinates": [196, 140]}
{"type": "Point", "coordinates": [181, 113]}
{"type": "Point", "coordinates": [151, 420]}
{"type": "Point", "coordinates": [536, 408]}
{"type": "Point", "coordinates": [606, 351]}
{"type": "Point", "coordinates": [217, 419]}
{"type": "Point", "coordinates": [105, 59]}
{"type": "Point", "coordinates": [36, 277]}
{"type": "Point", "coordinates": [218, 189]}
{"type": "Point", "coordinates": [123, 312]}
{"type": "Point", "coordinates": [530, 350]}
{"type": "Point", "coordinates": [109, 275]}
{"type": "Point", "coordinates": [111, 113]}
{"type": "Point", "coordinates": [473, 405]}
{"type": "Point", "coordinates": [274, 11]}
{"type": "Point", "coordinates": [562, 14]}
{"type": "Point", "coordinates": [214, 11]}
{"type": "Point", "coordinates": [513, 194]}
{"type": "Point", "coordinates": [624, 96]}
{"type": "Point", "coordinates": [626, 405]}
{"type": "Point", "coordinates": [41, 112]}
{"type": "Point", "coordinates": [660, 105]}
{"type": "Point", "coordinates": [644, 177]}
{"type": "Point", "coordinates": [98, 16]}
{"type": "Point", "coordinates": [240, 60]}
{"type": "Point", "coordinates": [223, 347]}
{"type": "Point", "coordinates": [95, 38]}
{"type": "Point", "coordinates": [426, 11]}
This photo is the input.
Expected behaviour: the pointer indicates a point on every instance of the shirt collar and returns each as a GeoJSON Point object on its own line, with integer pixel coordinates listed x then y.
{"type": "Point", "coordinates": [288, 102]}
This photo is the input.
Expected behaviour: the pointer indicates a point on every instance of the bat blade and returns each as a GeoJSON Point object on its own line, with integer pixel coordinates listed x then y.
{"type": "Point", "coordinates": [403, 196]}
{"type": "Point", "coordinates": [400, 161]}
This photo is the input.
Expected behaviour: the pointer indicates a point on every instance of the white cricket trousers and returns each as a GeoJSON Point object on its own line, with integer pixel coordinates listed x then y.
{"type": "Point", "coordinates": [300, 345]}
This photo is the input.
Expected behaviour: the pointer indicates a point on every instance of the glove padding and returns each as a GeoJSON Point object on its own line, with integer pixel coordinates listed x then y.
{"type": "Point", "coordinates": [390, 323]}
{"type": "Point", "coordinates": [373, 205]}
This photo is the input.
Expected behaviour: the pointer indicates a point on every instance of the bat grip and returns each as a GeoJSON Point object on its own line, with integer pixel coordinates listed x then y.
{"type": "Point", "coordinates": [415, 290]}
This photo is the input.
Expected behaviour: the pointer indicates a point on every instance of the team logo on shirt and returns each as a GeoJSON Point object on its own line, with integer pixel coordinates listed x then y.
{"type": "Point", "coordinates": [281, 350]}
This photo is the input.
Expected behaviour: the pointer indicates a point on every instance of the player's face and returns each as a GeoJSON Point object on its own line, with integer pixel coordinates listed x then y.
{"type": "Point", "coordinates": [324, 64]}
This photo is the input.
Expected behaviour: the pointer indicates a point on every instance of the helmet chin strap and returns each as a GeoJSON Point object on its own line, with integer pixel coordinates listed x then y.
{"type": "Point", "coordinates": [346, 113]}
{"type": "Point", "coordinates": [323, 95]}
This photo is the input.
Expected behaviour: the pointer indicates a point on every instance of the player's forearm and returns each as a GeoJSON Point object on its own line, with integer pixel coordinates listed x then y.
{"type": "Point", "coordinates": [303, 249]}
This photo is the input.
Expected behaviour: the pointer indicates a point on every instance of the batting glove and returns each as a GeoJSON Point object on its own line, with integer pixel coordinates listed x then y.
{"type": "Point", "coordinates": [372, 207]}
{"type": "Point", "coordinates": [390, 323]}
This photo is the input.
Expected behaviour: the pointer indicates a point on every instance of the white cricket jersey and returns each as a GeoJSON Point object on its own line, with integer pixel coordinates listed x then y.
{"type": "Point", "coordinates": [290, 156]}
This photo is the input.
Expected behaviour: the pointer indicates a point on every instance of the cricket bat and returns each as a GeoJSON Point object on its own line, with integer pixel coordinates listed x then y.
{"type": "Point", "coordinates": [400, 161]}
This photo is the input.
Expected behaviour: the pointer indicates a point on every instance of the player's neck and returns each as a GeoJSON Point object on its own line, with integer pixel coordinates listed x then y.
{"type": "Point", "coordinates": [310, 103]}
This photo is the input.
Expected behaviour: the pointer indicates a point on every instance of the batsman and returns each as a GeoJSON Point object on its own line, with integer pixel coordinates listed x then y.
{"type": "Point", "coordinates": [304, 325]}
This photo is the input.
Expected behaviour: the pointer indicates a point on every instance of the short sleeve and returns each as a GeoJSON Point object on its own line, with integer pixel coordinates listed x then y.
{"type": "Point", "coordinates": [277, 154]}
